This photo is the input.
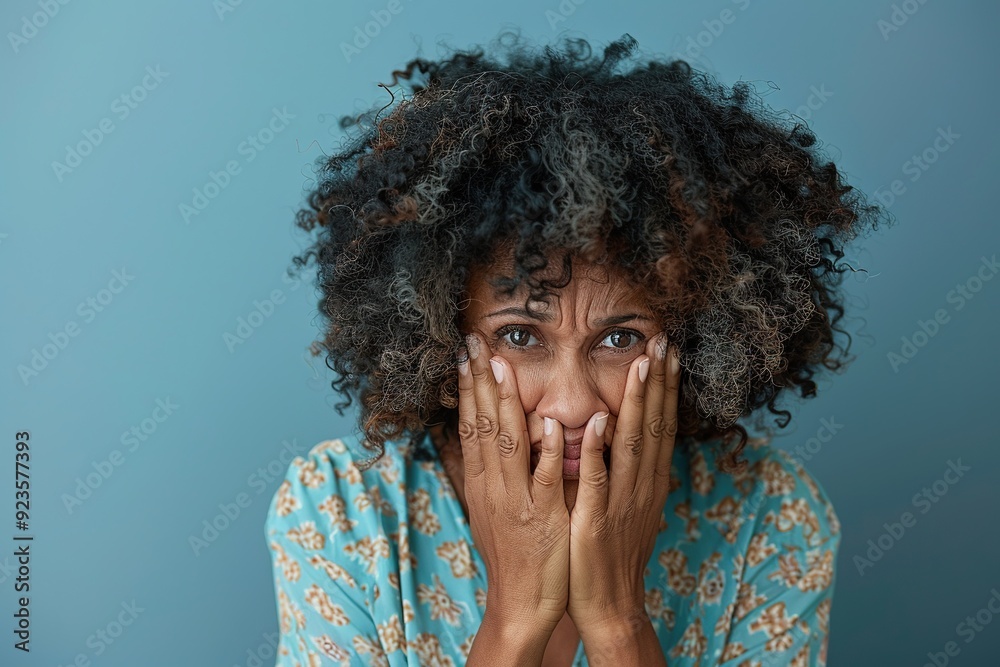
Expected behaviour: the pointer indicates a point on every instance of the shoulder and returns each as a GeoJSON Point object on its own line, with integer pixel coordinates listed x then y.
{"type": "Point", "coordinates": [334, 502]}
{"type": "Point", "coordinates": [787, 499]}
{"type": "Point", "coordinates": [773, 493]}
{"type": "Point", "coordinates": [781, 533]}
{"type": "Point", "coordinates": [336, 478]}
{"type": "Point", "coordinates": [329, 528]}
{"type": "Point", "coordinates": [772, 522]}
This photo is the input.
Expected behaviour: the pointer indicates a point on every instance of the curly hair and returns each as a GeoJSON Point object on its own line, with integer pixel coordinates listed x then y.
{"type": "Point", "coordinates": [731, 220]}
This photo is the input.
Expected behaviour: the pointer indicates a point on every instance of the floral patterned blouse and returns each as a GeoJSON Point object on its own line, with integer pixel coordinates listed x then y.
{"type": "Point", "coordinates": [378, 567]}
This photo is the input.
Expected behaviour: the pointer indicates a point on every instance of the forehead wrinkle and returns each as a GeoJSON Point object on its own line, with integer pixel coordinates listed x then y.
{"type": "Point", "coordinates": [602, 284]}
{"type": "Point", "coordinates": [612, 295]}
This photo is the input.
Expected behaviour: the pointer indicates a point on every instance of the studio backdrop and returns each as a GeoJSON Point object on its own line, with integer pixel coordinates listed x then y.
{"type": "Point", "coordinates": [157, 375]}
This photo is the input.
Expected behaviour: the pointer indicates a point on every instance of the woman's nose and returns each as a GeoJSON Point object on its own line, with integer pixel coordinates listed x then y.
{"type": "Point", "coordinates": [572, 396]}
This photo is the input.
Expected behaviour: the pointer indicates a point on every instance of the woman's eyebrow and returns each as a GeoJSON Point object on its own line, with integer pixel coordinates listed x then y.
{"type": "Point", "coordinates": [548, 316]}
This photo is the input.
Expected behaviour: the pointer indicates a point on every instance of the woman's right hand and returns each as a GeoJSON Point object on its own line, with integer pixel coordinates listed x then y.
{"type": "Point", "coordinates": [519, 521]}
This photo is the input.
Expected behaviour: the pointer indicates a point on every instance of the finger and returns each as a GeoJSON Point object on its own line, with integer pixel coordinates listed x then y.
{"type": "Point", "coordinates": [592, 494]}
{"type": "Point", "coordinates": [653, 417]}
{"type": "Point", "coordinates": [467, 431]}
{"type": "Point", "coordinates": [486, 421]}
{"type": "Point", "coordinates": [629, 442]}
{"type": "Point", "coordinates": [547, 485]}
{"type": "Point", "coordinates": [512, 442]}
{"type": "Point", "coordinates": [670, 397]}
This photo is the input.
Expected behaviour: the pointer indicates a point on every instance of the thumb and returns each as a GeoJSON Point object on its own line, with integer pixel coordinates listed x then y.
{"type": "Point", "coordinates": [547, 484]}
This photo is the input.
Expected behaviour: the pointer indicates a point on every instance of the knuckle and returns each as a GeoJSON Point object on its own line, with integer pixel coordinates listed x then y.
{"type": "Point", "coordinates": [492, 504]}
{"type": "Point", "coordinates": [487, 428]}
{"type": "Point", "coordinates": [633, 443]}
{"type": "Point", "coordinates": [479, 371]}
{"type": "Point", "coordinates": [598, 480]}
{"type": "Point", "coordinates": [504, 393]}
{"type": "Point", "coordinates": [670, 426]}
{"type": "Point", "coordinates": [506, 445]}
{"type": "Point", "coordinates": [544, 479]}
{"type": "Point", "coordinates": [467, 431]}
{"type": "Point", "coordinates": [474, 477]}
{"type": "Point", "coordinates": [643, 497]}
{"type": "Point", "coordinates": [524, 516]}
{"type": "Point", "coordinates": [656, 427]}
{"type": "Point", "coordinates": [661, 475]}
{"type": "Point", "coordinates": [625, 511]}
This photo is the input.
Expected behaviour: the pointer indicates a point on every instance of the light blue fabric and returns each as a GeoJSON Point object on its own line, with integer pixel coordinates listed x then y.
{"type": "Point", "coordinates": [378, 567]}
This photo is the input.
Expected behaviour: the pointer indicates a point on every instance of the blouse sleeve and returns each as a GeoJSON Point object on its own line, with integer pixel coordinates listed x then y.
{"type": "Point", "coordinates": [323, 602]}
{"type": "Point", "coordinates": [782, 612]}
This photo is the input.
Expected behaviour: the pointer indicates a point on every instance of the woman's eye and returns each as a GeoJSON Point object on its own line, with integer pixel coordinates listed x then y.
{"type": "Point", "coordinates": [515, 336]}
{"type": "Point", "coordinates": [621, 340]}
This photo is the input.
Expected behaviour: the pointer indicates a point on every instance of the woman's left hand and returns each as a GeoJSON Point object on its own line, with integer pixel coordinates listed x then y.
{"type": "Point", "coordinates": [616, 518]}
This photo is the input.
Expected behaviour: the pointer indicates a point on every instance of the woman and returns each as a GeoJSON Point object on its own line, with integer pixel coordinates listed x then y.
{"type": "Point", "coordinates": [555, 288]}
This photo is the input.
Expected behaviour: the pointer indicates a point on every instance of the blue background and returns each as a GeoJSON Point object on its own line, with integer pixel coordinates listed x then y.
{"type": "Point", "coordinates": [162, 337]}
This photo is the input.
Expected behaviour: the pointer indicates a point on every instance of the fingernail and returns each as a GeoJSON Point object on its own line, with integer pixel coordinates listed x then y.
{"type": "Point", "coordinates": [549, 425]}
{"type": "Point", "coordinates": [643, 369]}
{"type": "Point", "coordinates": [661, 347]}
{"type": "Point", "coordinates": [497, 370]}
{"type": "Point", "coordinates": [600, 423]}
{"type": "Point", "coordinates": [473, 344]}
{"type": "Point", "coordinates": [675, 363]}
{"type": "Point", "coordinates": [462, 359]}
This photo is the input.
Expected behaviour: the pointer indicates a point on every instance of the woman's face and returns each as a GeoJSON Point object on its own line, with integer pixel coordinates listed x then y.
{"type": "Point", "coordinates": [571, 357]}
